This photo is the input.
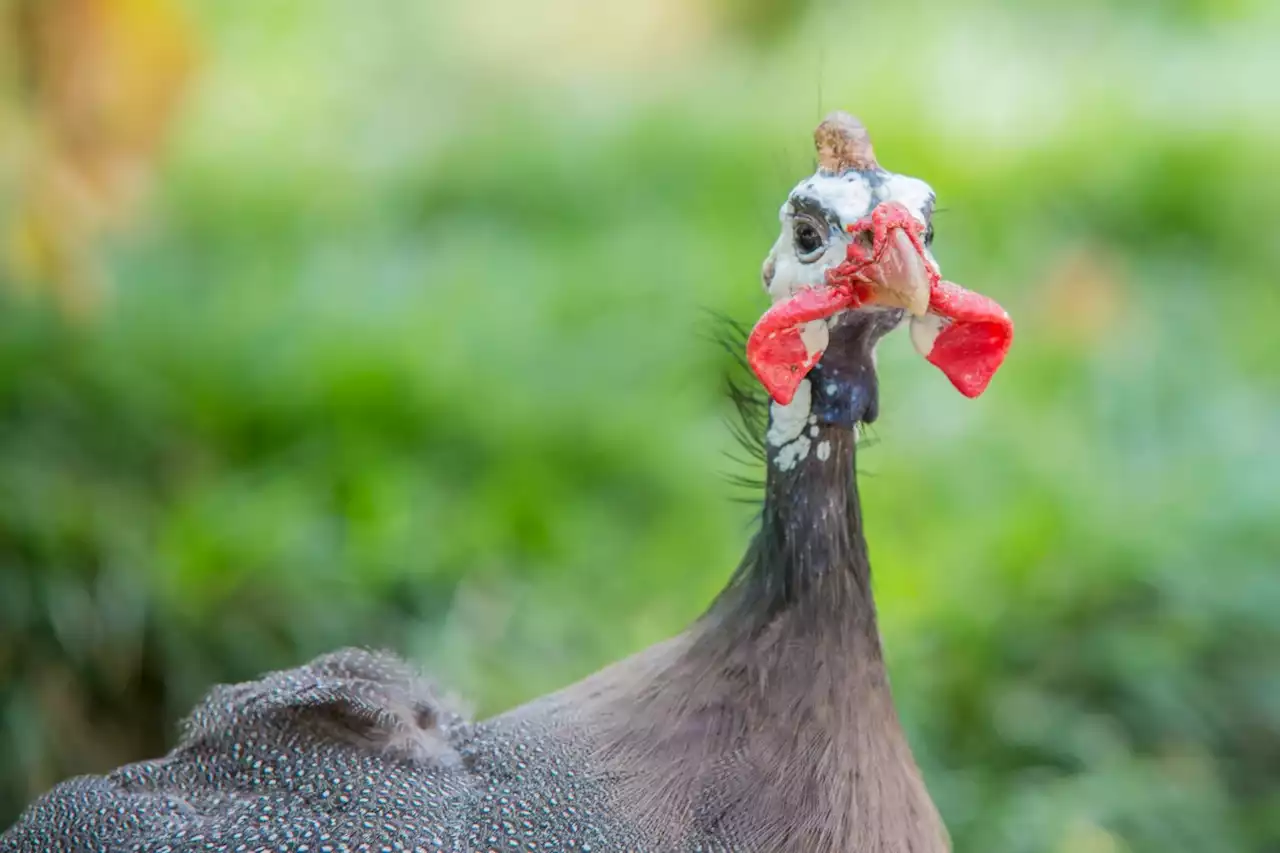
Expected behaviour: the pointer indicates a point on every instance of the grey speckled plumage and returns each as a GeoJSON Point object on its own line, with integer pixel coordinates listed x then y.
{"type": "Point", "coordinates": [353, 752]}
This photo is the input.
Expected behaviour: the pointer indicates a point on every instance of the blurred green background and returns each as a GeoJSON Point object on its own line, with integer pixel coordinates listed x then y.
{"type": "Point", "coordinates": [328, 325]}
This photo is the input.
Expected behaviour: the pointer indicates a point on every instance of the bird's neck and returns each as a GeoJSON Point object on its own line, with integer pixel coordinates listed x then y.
{"type": "Point", "coordinates": [773, 712]}
{"type": "Point", "coordinates": [795, 631]}
{"type": "Point", "coordinates": [807, 566]}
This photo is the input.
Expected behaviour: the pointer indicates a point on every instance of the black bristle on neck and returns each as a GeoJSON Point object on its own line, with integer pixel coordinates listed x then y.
{"type": "Point", "coordinates": [750, 402]}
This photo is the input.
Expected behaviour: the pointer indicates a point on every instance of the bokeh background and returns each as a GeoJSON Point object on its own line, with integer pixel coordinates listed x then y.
{"type": "Point", "coordinates": [328, 324]}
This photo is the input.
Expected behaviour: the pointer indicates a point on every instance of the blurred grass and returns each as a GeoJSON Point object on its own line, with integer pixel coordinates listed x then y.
{"type": "Point", "coordinates": [411, 349]}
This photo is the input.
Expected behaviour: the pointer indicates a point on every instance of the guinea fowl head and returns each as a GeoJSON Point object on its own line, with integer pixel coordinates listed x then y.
{"type": "Point", "coordinates": [853, 261]}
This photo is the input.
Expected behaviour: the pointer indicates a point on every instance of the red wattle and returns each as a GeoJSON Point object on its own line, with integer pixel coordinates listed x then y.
{"type": "Point", "coordinates": [775, 350]}
{"type": "Point", "coordinates": [972, 347]}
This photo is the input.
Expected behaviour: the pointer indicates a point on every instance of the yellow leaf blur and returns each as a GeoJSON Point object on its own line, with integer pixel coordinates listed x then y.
{"type": "Point", "coordinates": [92, 94]}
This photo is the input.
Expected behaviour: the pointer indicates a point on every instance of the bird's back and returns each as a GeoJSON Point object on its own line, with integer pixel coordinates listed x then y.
{"type": "Point", "coordinates": [353, 752]}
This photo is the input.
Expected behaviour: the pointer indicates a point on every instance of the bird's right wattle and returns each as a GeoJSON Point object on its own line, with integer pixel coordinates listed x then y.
{"type": "Point", "coordinates": [973, 340]}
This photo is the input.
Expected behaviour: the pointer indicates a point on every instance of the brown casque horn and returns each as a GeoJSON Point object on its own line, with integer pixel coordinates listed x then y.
{"type": "Point", "coordinates": [843, 144]}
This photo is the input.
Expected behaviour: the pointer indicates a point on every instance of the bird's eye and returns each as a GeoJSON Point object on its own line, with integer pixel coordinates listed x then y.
{"type": "Point", "coordinates": [928, 235]}
{"type": "Point", "coordinates": [810, 239]}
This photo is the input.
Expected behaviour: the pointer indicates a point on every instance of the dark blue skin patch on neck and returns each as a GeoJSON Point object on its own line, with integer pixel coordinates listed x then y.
{"type": "Point", "coordinates": [844, 388]}
{"type": "Point", "coordinates": [844, 395]}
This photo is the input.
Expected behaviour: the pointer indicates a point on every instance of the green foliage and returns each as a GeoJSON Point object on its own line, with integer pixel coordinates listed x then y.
{"type": "Point", "coordinates": [423, 365]}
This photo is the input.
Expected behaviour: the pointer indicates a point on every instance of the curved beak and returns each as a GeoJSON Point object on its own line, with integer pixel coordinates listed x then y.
{"type": "Point", "coordinates": [901, 277]}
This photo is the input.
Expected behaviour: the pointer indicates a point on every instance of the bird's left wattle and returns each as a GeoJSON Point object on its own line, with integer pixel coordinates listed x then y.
{"type": "Point", "coordinates": [776, 349]}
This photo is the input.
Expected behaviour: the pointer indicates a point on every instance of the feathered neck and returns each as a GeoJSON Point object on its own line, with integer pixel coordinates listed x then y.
{"type": "Point", "coordinates": [770, 724]}
{"type": "Point", "coordinates": [808, 561]}
{"type": "Point", "coordinates": [809, 557]}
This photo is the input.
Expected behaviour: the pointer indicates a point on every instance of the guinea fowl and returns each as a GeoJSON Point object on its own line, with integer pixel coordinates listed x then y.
{"type": "Point", "coordinates": [768, 725]}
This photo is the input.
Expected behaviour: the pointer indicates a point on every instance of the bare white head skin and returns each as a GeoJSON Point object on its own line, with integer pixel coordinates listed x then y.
{"type": "Point", "coordinates": [847, 186]}
{"type": "Point", "coordinates": [813, 237]}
